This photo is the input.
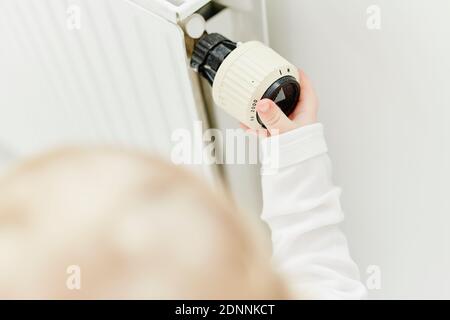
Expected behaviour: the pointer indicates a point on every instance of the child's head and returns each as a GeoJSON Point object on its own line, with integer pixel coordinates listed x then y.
{"type": "Point", "coordinates": [137, 227]}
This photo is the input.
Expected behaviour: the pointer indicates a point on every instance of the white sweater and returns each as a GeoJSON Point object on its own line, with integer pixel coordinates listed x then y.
{"type": "Point", "coordinates": [301, 206]}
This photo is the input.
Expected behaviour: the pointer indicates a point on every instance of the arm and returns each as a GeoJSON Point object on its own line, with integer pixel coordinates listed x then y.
{"type": "Point", "coordinates": [301, 204]}
{"type": "Point", "coordinates": [301, 207]}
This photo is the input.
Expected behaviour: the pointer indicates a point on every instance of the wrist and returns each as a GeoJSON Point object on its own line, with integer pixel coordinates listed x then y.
{"type": "Point", "coordinates": [292, 147]}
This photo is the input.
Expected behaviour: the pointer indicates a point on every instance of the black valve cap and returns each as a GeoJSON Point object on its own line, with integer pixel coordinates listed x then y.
{"type": "Point", "coordinates": [285, 92]}
{"type": "Point", "coordinates": [209, 53]}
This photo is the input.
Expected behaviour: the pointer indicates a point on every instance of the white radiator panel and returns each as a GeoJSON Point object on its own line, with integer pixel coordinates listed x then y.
{"type": "Point", "coordinates": [122, 77]}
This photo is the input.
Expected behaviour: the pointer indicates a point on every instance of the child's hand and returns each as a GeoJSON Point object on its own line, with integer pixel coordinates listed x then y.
{"type": "Point", "coordinates": [277, 122]}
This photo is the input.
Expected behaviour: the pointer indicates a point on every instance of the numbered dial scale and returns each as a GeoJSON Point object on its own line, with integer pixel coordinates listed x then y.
{"type": "Point", "coordinates": [241, 74]}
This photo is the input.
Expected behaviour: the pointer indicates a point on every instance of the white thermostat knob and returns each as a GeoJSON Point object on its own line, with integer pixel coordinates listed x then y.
{"type": "Point", "coordinates": [243, 74]}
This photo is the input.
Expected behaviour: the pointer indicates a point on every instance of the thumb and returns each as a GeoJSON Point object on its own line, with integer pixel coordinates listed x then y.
{"type": "Point", "coordinates": [273, 118]}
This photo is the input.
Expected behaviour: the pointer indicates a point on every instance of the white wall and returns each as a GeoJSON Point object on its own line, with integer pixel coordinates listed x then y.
{"type": "Point", "coordinates": [385, 102]}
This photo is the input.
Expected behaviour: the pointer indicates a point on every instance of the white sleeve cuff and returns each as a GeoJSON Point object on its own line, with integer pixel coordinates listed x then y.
{"type": "Point", "coordinates": [292, 147]}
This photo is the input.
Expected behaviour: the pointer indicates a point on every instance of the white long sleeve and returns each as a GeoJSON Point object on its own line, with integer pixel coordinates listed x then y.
{"type": "Point", "coordinates": [302, 208]}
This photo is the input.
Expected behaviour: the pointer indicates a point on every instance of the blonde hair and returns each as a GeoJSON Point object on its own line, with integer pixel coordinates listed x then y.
{"type": "Point", "coordinates": [136, 226]}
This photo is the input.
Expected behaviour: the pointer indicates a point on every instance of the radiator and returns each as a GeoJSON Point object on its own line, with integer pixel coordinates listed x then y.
{"type": "Point", "coordinates": [114, 72]}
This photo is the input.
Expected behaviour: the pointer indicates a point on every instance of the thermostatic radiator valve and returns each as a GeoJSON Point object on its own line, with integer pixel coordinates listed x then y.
{"type": "Point", "coordinates": [241, 74]}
